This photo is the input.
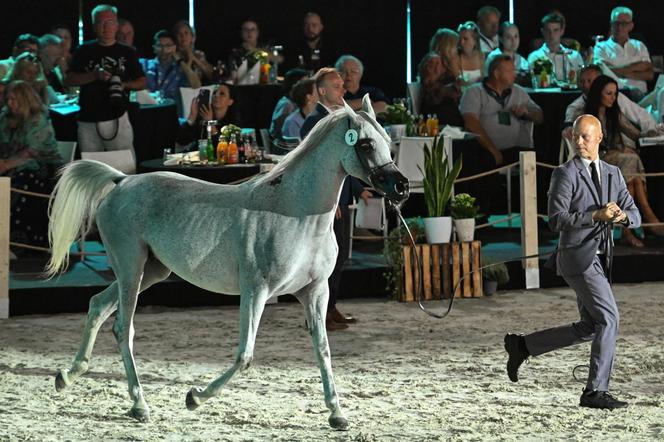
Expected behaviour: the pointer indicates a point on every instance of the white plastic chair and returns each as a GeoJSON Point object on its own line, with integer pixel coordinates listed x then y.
{"type": "Point", "coordinates": [187, 94]}
{"type": "Point", "coordinates": [566, 150]}
{"type": "Point", "coordinates": [67, 150]}
{"type": "Point", "coordinates": [122, 160]}
{"type": "Point", "coordinates": [367, 216]}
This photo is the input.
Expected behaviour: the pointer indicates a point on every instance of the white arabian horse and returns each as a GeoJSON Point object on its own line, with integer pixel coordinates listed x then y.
{"type": "Point", "coordinates": [266, 237]}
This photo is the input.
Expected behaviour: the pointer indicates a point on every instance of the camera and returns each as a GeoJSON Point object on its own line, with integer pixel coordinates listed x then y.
{"type": "Point", "coordinates": [116, 91]}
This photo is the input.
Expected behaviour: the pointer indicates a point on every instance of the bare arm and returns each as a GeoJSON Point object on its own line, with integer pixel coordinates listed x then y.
{"type": "Point", "coordinates": [192, 78]}
{"type": "Point", "coordinates": [472, 124]}
{"type": "Point", "coordinates": [640, 70]}
{"type": "Point", "coordinates": [82, 78]}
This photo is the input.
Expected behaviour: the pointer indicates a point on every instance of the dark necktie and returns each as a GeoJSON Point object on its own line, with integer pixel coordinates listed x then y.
{"type": "Point", "coordinates": [595, 178]}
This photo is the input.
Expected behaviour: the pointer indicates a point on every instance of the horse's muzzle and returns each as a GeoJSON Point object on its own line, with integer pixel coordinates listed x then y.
{"type": "Point", "coordinates": [390, 183]}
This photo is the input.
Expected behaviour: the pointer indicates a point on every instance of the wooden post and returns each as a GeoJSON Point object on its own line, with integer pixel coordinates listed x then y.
{"type": "Point", "coordinates": [5, 183]}
{"type": "Point", "coordinates": [529, 242]}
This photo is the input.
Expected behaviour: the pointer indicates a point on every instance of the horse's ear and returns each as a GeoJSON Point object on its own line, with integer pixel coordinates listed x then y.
{"type": "Point", "coordinates": [366, 106]}
{"type": "Point", "coordinates": [349, 110]}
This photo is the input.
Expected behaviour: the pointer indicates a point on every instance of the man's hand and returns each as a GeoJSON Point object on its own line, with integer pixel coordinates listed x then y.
{"type": "Point", "coordinates": [520, 111]}
{"type": "Point", "coordinates": [365, 195]}
{"type": "Point", "coordinates": [102, 75]}
{"type": "Point", "coordinates": [610, 213]}
{"type": "Point", "coordinates": [337, 214]}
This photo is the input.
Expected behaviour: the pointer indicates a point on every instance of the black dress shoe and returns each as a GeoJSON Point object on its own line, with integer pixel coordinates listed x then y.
{"type": "Point", "coordinates": [515, 345]}
{"type": "Point", "coordinates": [600, 399]}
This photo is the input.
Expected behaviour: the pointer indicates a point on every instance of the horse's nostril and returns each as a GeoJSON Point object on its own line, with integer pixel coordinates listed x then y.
{"type": "Point", "coordinates": [401, 188]}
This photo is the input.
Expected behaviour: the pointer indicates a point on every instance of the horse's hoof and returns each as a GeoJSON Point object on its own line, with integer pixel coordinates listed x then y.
{"type": "Point", "coordinates": [60, 383]}
{"type": "Point", "coordinates": [338, 423]}
{"type": "Point", "coordinates": [191, 401]}
{"type": "Point", "coordinates": [140, 414]}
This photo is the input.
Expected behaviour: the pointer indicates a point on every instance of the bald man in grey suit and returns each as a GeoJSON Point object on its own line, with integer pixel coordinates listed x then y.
{"type": "Point", "coordinates": [585, 195]}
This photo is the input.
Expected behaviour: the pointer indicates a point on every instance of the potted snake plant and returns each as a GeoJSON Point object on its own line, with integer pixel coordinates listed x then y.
{"type": "Point", "coordinates": [438, 180]}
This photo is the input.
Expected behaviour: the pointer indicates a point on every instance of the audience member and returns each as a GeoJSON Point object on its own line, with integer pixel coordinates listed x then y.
{"type": "Point", "coordinates": [185, 38]}
{"type": "Point", "coordinates": [312, 51]}
{"type": "Point", "coordinates": [566, 62]}
{"type": "Point", "coordinates": [330, 88]}
{"type": "Point", "coordinates": [29, 155]}
{"type": "Point", "coordinates": [220, 110]}
{"type": "Point", "coordinates": [250, 32]}
{"type": "Point", "coordinates": [351, 70]}
{"type": "Point", "coordinates": [445, 43]}
{"type": "Point", "coordinates": [508, 35]}
{"type": "Point", "coordinates": [472, 59]}
{"type": "Point", "coordinates": [125, 34]}
{"type": "Point", "coordinates": [28, 68]}
{"type": "Point", "coordinates": [488, 19]}
{"type": "Point", "coordinates": [51, 54]}
{"type": "Point", "coordinates": [105, 70]}
{"type": "Point", "coordinates": [637, 115]}
{"type": "Point", "coordinates": [285, 106]}
{"type": "Point", "coordinates": [304, 95]}
{"type": "Point", "coordinates": [24, 43]}
{"type": "Point", "coordinates": [500, 112]}
{"type": "Point", "coordinates": [619, 143]}
{"type": "Point", "coordinates": [66, 41]}
{"type": "Point", "coordinates": [166, 72]}
{"type": "Point", "coordinates": [439, 92]}
{"type": "Point", "coordinates": [625, 59]}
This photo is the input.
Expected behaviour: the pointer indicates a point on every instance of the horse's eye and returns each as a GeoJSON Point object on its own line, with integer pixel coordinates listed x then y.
{"type": "Point", "coordinates": [367, 144]}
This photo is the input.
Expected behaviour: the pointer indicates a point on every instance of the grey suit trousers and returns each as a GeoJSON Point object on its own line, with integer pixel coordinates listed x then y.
{"type": "Point", "coordinates": [599, 323]}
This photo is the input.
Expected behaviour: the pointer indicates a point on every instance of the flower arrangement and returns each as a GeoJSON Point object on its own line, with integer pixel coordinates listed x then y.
{"type": "Point", "coordinates": [230, 130]}
{"type": "Point", "coordinates": [542, 64]}
{"type": "Point", "coordinates": [463, 206]}
{"type": "Point", "coordinates": [256, 56]}
{"type": "Point", "coordinates": [396, 114]}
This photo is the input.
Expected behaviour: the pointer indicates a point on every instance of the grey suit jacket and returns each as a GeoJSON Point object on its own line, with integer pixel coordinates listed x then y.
{"type": "Point", "coordinates": [572, 200]}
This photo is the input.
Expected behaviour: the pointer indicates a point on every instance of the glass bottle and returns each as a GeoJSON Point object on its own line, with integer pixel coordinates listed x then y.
{"type": "Point", "coordinates": [222, 151]}
{"type": "Point", "coordinates": [241, 152]}
{"type": "Point", "coordinates": [232, 151]}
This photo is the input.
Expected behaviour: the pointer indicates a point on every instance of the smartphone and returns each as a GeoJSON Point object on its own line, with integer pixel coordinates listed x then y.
{"type": "Point", "coordinates": [203, 99]}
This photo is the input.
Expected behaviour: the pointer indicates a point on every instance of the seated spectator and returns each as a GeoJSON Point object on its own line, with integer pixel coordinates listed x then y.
{"type": "Point", "coordinates": [500, 112]}
{"type": "Point", "coordinates": [285, 106]}
{"type": "Point", "coordinates": [488, 19]}
{"type": "Point", "coordinates": [625, 59]}
{"type": "Point", "coordinates": [220, 109]}
{"type": "Point", "coordinates": [250, 32]}
{"type": "Point", "coordinates": [439, 93]}
{"type": "Point", "coordinates": [351, 70]}
{"type": "Point", "coordinates": [566, 62]}
{"type": "Point", "coordinates": [28, 68]}
{"type": "Point", "coordinates": [330, 88]}
{"type": "Point", "coordinates": [619, 144]}
{"type": "Point", "coordinates": [125, 34]}
{"type": "Point", "coordinates": [29, 155]}
{"type": "Point", "coordinates": [66, 41]}
{"type": "Point", "coordinates": [166, 72]}
{"type": "Point", "coordinates": [24, 43]}
{"type": "Point", "coordinates": [51, 54]}
{"type": "Point", "coordinates": [634, 113]}
{"type": "Point", "coordinates": [472, 59]}
{"type": "Point", "coordinates": [304, 95]}
{"type": "Point", "coordinates": [311, 51]}
{"type": "Point", "coordinates": [508, 35]}
{"type": "Point", "coordinates": [185, 38]}
{"type": "Point", "coordinates": [445, 43]}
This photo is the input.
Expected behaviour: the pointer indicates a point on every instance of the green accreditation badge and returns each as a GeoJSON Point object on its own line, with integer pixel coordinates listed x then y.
{"type": "Point", "coordinates": [504, 118]}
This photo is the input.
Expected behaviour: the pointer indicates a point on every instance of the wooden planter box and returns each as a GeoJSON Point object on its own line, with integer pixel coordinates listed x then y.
{"type": "Point", "coordinates": [443, 266]}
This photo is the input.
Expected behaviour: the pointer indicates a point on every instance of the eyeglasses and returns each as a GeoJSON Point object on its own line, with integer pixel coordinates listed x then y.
{"type": "Point", "coordinates": [621, 23]}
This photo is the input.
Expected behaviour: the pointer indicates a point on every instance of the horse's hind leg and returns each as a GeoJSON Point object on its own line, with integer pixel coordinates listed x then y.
{"type": "Point", "coordinates": [251, 308]}
{"type": "Point", "coordinates": [314, 299]}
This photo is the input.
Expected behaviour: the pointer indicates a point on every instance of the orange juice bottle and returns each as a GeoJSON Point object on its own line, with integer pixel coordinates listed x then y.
{"type": "Point", "coordinates": [232, 157]}
{"type": "Point", "coordinates": [435, 125]}
{"type": "Point", "coordinates": [430, 123]}
{"type": "Point", "coordinates": [222, 151]}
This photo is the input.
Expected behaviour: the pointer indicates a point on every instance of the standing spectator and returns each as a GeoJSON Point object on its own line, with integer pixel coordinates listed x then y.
{"type": "Point", "coordinates": [105, 70]}
{"type": "Point", "coordinates": [28, 68]}
{"type": "Point", "coordinates": [351, 70]}
{"type": "Point", "coordinates": [185, 38]}
{"type": "Point", "coordinates": [439, 92]}
{"type": "Point", "coordinates": [51, 54]}
{"type": "Point", "coordinates": [488, 19]}
{"type": "Point", "coordinates": [312, 51]}
{"type": "Point", "coordinates": [566, 62]}
{"type": "Point", "coordinates": [285, 106]}
{"type": "Point", "coordinates": [166, 72]}
{"type": "Point", "coordinates": [24, 43]}
{"type": "Point", "coordinates": [125, 34]}
{"type": "Point", "coordinates": [29, 155]}
{"type": "Point", "coordinates": [508, 35]}
{"type": "Point", "coordinates": [472, 59]}
{"type": "Point", "coordinates": [305, 97]}
{"type": "Point", "coordinates": [625, 59]}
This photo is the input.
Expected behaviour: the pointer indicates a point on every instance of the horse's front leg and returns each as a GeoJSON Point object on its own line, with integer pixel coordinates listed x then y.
{"type": "Point", "coordinates": [314, 299]}
{"type": "Point", "coordinates": [252, 303]}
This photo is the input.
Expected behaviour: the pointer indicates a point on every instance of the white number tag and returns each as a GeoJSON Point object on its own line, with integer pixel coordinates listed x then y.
{"type": "Point", "coordinates": [351, 137]}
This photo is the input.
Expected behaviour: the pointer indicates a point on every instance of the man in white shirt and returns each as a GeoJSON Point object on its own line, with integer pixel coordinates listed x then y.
{"type": "Point", "coordinates": [566, 62]}
{"type": "Point", "coordinates": [634, 113]}
{"type": "Point", "coordinates": [623, 58]}
{"type": "Point", "coordinates": [488, 20]}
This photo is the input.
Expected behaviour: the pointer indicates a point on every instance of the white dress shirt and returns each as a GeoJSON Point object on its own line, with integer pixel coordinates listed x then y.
{"type": "Point", "coordinates": [612, 55]}
{"type": "Point", "coordinates": [634, 113]}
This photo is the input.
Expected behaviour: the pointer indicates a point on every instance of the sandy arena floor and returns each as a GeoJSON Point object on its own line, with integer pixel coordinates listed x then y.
{"type": "Point", "coordinates": [402, 375]}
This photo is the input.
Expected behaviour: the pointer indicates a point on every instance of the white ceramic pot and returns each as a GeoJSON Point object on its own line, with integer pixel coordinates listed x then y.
{"type": "Point", "coordinates": [438, 230]}
{"type": "Point", "coordinates": [397, 131]}
{"type": "Point", "coordinates": [465, 229]}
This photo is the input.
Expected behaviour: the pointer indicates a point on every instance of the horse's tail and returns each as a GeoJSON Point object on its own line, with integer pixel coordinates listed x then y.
{"type": "Point", "coordinates": [81, 188]}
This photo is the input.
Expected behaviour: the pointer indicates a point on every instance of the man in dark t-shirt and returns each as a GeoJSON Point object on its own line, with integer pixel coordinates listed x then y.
{"type": "Point", "coordinates": [309, 52]}
{"type": "Point", "coordinates": [106, 71]}
{"type": "Point", "coordinates": [351, 70]}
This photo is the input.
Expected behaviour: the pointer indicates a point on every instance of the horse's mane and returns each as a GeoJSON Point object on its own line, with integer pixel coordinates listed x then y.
{"type": "Point", "coordinates": [319, 131]}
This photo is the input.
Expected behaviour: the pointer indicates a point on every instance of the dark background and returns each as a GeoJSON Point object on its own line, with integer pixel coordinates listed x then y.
{"type": "Point", "coordinates": [372, 30]}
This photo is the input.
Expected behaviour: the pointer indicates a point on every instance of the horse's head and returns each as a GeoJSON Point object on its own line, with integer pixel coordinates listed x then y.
{"type": "Point", "coordinates": [368, 157]}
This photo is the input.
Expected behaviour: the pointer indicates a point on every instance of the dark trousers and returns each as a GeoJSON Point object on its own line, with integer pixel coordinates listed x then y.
{"type": "Point", "coordinates": [342, 233]}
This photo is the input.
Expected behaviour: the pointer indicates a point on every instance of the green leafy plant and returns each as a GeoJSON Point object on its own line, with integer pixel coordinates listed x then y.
{"type": "Point", "coordinates": [393, 252]}
{"type": "Point", "coordinates": [438, 178]}
{"type": "Point", "coordinates": [495, 272]}
{"type": "Point", "coordinates": [256, 56]}
{"type": "Point", "coordinates": [463, 206]}
{"type": "Point", "coordinates": [396, 114]}
{"type": "Point", "coordinates": [542, 64]}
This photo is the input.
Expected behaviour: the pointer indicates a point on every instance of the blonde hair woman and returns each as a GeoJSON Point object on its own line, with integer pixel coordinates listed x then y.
{"type": "Point", "coordinates": [472, 59]}
{"type": "Point", "coordinates": [444, 42]}
{"type": "Point", "coordinates": [28, 68]}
